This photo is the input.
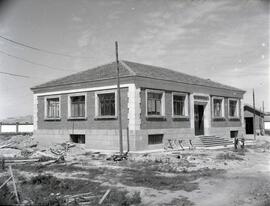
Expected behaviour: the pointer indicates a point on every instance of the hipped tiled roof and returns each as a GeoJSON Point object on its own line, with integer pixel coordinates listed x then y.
{"type": "Point", "coordinates": [127, 68]}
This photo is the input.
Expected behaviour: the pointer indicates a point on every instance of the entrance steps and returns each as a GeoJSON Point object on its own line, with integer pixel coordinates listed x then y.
{"type": "Point", "coordinates": [214, 141]}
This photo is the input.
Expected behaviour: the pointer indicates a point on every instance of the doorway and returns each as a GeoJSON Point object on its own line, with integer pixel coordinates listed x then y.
{"type": "Point", "coordinates": [199, 119]}
{"type": "Point", "coordinates": [249, 125]}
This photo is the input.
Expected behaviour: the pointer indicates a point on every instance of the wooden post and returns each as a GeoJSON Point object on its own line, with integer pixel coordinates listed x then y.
{"type": "Point", "coordinates": [17, 127]}
{"type": "Point", "coordinates": [14, 185]}
{"type": "Point", "coordinates": [254, 126]}
{"type": "Point", "coordinates": [263, 118]}
{"type": "Point", "coordinates": [119, 101]}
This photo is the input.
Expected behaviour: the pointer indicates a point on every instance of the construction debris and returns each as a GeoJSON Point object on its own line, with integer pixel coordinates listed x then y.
{"type": "Point", "coordinates": [80, 199]}
{"type": "Point", "coordinates": [61, 149]}
{"type": "Point", "coordinates": [118, 157]}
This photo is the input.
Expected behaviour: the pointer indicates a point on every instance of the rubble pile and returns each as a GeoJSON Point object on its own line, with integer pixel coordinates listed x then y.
{"type": "Point", "coordinates": [17, 146]}
{"type": "Point", "coordinates": [19, 142]}
{"type": "Point", "coordinates": [23, 148]}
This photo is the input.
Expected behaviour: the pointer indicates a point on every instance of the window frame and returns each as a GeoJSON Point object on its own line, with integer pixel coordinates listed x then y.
{"type": "Point", "coordinates": [69, 105]}
{"type": "Point", "coordinates": [186, 105]}
{"type": "Point", "coordinates": [97, 103]}
{"type": "Point", "coordinates": [237, 108]}
{"type": "Point", "coordinates": [162, 108]}
{"type": "Point", "coordinates": [222, 107]}
{"type": "Point", "coordinates": [46, 107]}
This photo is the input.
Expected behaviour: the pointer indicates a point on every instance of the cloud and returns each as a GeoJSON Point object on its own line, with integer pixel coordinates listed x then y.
{"type": "Point", "coordinates": [76, 18]}
{"type": "Point", "coordinates": [165, 28]}
{"type": "Point", "coordinates": [84, 38]}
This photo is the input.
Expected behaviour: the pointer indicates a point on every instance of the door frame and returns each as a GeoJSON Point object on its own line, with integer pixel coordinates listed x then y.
{"type": "Point", "coordinates": [205, 100]}
{"type": "Point", "coordinates": [203, 118]}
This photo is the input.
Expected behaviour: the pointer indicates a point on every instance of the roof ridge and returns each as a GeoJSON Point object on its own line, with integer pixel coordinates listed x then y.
{"type": "Point", "coordinates": [127, 67]}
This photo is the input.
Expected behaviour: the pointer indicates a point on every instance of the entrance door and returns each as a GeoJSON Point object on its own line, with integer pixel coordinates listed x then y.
{"type": "Point", "coordinates": [249, 125]}
{"type": "Point", "coordinates": [198, 119]}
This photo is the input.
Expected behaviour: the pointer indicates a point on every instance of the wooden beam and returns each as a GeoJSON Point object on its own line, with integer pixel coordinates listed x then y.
{"type": "Point", "coordinates": [119, 101]}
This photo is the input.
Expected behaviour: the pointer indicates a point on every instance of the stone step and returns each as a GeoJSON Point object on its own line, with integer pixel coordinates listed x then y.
{"type": "Point", "coordinates": [212, 141]}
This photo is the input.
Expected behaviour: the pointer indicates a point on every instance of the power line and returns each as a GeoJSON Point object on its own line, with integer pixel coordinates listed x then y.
{"type": "Point", "coordinates": [12, 74]}
{"type": "Point", "coordinates": [34, 63]}
{"type": "Point", "coordinates": [40, 49]}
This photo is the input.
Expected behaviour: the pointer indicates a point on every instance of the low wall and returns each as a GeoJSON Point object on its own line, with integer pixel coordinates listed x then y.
{"type": "Point", "coordinates": [16, 128]}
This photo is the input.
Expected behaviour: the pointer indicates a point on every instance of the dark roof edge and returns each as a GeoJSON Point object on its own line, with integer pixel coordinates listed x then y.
{"type": "Point", "coordinates": [237, 90]}
{"type": "Point", "coordinates": [256, 109]}
{"type": "Point", "coordinates": [78, 72]}
{"type": "Point", "coordinates": [38, 87]}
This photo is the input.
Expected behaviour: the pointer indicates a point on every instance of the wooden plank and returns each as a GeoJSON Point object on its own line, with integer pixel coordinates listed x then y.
{"type": "Point", "coordinates": [5, 182]}
{"type": "Point", "coordinates": [20, 160]}
{"type": "Point", "coordinates": [104, 197]}
{"type": "Point", "coordinates": [78, 195]}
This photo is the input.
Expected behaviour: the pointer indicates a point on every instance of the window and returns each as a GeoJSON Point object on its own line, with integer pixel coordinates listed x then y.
{"type": "Point", "coordinates": [233, 108]}
{"type": "Point", "coordinates": [77, 106]}
{"type": "Point", "coordinates": [218, 107]}
{"type": "Point", "coordinates": [52, 107]}
{"type": "Point", "coordinates": [180, 105]}
{"type": "Point", "coordinates": [77, 138]}
{"type": "Point", "coordinates": [105, 104]}
{"type": "Point", "coordinates": [155, 103]}
{"type": "Point", "coordinates": [234, 134]}
{"type": "Point", "coordinates": [155, 138]}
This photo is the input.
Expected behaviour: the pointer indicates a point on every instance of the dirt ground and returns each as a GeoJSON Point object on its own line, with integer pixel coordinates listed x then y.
{"type": "Point", "coordinates": [184, 178]}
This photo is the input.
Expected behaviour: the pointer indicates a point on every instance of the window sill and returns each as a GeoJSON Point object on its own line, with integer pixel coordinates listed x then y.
{"type": "Point", "coordinates": [52, 119]}
{"type": "Point", "coordinates": [180, 118]}
{"type": "Point", "coordinates": [77, 118]}
{"type": "Point", "coordinates": [157, 144]}
{"type": "Point", "coordinates": [105, 117]}
{"type": "Point", "coordinates": [234, 118]}
{"type": "Point", "coordinates": [219, 119]}
{"type": "Point", "coordinates": [158, 118]}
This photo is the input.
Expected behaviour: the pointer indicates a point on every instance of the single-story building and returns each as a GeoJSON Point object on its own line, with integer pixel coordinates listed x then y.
{"type": "Point", "coordinates": [267, 123]}
{"type": "Point", "coordinates": [157, 104]}
{"type": "Point", "coordinates": [249, 116]}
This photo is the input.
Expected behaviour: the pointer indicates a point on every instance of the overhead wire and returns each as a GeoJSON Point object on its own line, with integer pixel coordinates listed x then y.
{"type": "Point", "coordinates": [12, 74]}
{"type": "Point", "coordinates": [34, 63]}
{"type": "Point", "coordinates": [41, 49]}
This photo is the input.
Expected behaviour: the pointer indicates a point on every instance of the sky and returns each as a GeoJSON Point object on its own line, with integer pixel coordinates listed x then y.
{"type": "Point", "coordinates": [224, 40]}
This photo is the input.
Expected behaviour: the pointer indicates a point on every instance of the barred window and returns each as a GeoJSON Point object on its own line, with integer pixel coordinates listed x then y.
{"type": "Point", "coordinates": [154, 103]}
{"type": "Point", "coordinates": [53, 108]}
{"type": "Point", "coordinates": [155, 138]}
{"type": "Point", "coordinates": [179, 105]}
{"type": "Point", "coordinates": [107, 104]}
{"type": "Point", "coordinates": [77, 106]}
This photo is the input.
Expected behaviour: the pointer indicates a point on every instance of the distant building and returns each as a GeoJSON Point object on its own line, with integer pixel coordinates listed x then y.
{"type": "Point", "coordinates": [249, 116]}
{"type": "Point", "coordinates": [157, 104]}
{"type": "Point", "coordinates": [267, 123]}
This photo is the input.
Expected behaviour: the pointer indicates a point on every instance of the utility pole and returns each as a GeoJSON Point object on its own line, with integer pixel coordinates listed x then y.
{"type": "Point", "coordinates": [254, 128]}
{"type": "Point", "coordinates": [119, 101]}
{"type": "Point", "coordinates": [263, 117]}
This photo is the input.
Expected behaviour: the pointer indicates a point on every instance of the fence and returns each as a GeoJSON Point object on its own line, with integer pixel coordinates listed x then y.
{"type": "Point", "coordinates": [16, 127]}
